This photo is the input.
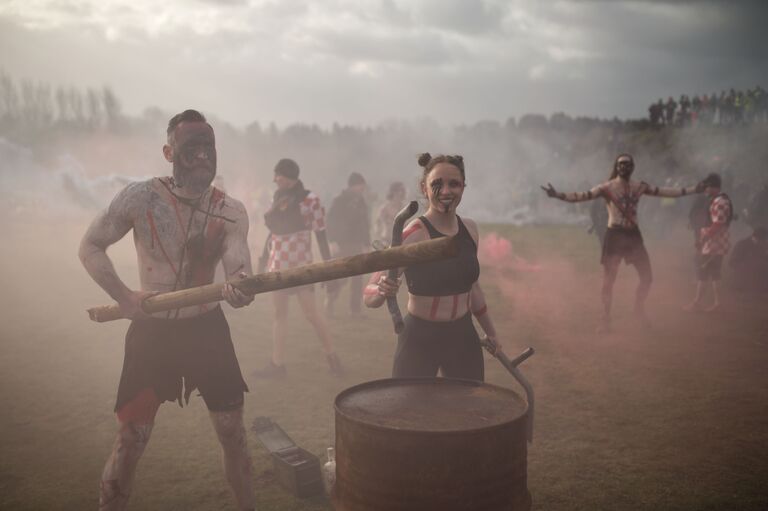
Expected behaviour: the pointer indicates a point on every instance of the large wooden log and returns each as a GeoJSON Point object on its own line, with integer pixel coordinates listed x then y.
{"type": "Point", "coordinates": [396, 257]}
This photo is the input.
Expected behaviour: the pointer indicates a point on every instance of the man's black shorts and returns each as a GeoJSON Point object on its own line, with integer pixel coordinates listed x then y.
{"type": "Point", "coordinates": [710, 266]}
{"type": "Point", "coordinates": [624, 243]}
{"type": "Point", "coordinates": [172, 356]}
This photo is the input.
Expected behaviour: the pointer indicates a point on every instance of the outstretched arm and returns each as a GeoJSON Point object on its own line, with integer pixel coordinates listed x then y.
{"type": "Point", "coordinates": [236, 257]}
{"type": "Point", "coordinates": [594, 193]}
{"type": "Point", "coordinates": [108, 228]}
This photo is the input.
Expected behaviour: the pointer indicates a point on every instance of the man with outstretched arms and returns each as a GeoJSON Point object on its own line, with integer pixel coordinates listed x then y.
{"type": "Point", "coordinates": [182, 227]}
{"type": "Point", "coordinates": [623, 240]}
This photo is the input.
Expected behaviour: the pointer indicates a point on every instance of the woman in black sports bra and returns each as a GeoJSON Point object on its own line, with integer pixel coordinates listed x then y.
{"type": "Point", "coordinates": [443, 295]}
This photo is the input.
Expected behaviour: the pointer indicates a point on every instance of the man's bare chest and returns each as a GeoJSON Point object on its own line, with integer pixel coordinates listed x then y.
{"type": "Point", "coordinates": [624, 196]}
{"type": "Point", "coordinates": [184, 239]}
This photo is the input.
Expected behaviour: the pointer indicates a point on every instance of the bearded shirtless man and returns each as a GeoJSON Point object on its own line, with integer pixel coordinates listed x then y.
{"type": "Point", "coordinates": [182, 227]}
{"type": "Point", "coordinates": [623, 240]}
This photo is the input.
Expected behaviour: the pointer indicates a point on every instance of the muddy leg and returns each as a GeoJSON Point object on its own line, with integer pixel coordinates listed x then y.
{"type": "Point", "coordinates": [237, 460]}
{"type": "Point", "coordinates": [117, 478]}
{"type": "Point", "coordinates": [610, 270]}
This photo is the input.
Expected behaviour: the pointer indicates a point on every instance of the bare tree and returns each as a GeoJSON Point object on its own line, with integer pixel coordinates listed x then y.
{"type": "Point", "coordinates": [95, 111]}
{"type": "Point", "coordinates": [112, 109]}
{"type": "Point", "coordinates": [76, 105]}
{"type": "Point", "coordinates": [63, 106]}
{"type": "Point", "coordinates": [9, 99]}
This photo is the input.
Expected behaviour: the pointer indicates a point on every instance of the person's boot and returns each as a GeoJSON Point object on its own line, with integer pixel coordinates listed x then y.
{"type": "Point", "coordinates": [334, 365]}
{"type": "Point", "coordinates": [271, 371]}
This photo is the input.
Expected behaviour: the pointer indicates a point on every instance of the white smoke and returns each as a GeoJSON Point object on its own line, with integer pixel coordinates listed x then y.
{"type": "Point", "coordinates": [63, 188]}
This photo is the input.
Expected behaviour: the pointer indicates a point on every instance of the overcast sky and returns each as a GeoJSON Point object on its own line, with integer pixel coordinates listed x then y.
{"type": "Point", "coordinates": [364, 61]}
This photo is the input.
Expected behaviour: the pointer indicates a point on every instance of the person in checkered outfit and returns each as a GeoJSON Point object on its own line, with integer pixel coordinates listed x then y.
{"type": "Point", "coordinates": [623, 240]}
{"type": "Point", "coordinates": [294, 215]}
{"type": "Point", "coordinates": [714, 243]}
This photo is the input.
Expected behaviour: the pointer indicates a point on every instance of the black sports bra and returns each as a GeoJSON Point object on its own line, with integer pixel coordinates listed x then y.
{"type": "Point", "coordinates": [450, 276]}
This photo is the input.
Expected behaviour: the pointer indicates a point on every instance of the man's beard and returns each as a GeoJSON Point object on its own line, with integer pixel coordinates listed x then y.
{"type": "Point", "coordinates": [194, 180]}
{"type": "Point", "coordinates": [624, 174]}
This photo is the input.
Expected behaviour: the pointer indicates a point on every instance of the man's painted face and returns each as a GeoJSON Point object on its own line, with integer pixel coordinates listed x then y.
{"type": "Point", "coordinates": [444, 186]}
{"type": "Point", "coordinates": [625, 166]}
{"type": "Point", "coordinates": [194, 156]}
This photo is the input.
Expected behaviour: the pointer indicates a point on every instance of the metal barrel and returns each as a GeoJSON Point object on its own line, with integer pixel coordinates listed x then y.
{"type": "Point", "coordinates": [430, 443]}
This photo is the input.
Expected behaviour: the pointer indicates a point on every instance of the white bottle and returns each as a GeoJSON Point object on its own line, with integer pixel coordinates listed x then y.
{"type": "Point", "coordinates": [329, 471]}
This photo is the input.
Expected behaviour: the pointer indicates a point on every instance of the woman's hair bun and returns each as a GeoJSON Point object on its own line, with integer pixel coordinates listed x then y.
{"type": "Point", "coordinates": [424, 159]}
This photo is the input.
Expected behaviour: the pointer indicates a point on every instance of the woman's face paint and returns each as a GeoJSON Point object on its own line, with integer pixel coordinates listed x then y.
{"type": "Point", "coordinates": [436, 186]}
{"type": "Point", "coordinates": [445, 187]}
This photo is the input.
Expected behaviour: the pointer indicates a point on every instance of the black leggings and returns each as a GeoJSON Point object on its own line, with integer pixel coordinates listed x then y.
{"type": "Point", "coordinates": [424, 346]}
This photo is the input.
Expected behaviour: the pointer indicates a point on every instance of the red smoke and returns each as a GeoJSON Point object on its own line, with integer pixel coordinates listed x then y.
{"type": "Point", "coordinates": [496, 252]}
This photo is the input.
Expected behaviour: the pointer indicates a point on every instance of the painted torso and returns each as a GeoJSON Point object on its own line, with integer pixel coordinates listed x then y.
{"type": "Point", "coordinates": [622, 198]}
{"type": "Point", "coordinates": [178, 244]}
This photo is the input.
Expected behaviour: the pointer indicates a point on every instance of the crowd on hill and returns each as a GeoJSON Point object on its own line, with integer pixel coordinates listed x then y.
{"type": "Point", "coordinates": [733, 107]}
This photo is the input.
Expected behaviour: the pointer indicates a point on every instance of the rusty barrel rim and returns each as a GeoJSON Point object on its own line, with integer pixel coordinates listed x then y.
{"type": "Point", "coordinates": [424, 381]}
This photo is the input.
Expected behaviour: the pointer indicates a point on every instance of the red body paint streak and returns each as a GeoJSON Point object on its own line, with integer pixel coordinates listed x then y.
{"type": "Point", "coordinates": [141, 409]}
{"type": "Point", "coordinates": [217, 197]}
{"type": "Point", "coordinates": [152, 226]}
{"type": "Point", "coordinates": [481, 311]}
{"type": "Point", "coordinates": [435, 304]}
{"type": "Point", "coordinates": [203, 260]}
{"type": "Point", "coordinates": [455, 307]}
{"type": "Point", "coordinates": [211, 249]}
{"type": "Point", "coordinates": [413, 228]}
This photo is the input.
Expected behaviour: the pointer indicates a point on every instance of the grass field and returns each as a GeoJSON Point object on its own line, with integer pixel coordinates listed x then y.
{"type": "Point", "coordinates": [675, 418]}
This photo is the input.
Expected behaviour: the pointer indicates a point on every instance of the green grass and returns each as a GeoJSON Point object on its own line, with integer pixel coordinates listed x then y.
{"type": "Point", "coordinates": [673, 419]}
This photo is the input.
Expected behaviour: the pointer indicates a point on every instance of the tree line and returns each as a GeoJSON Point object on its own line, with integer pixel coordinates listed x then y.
{"type": "Point", "coordinates": [28, 108]}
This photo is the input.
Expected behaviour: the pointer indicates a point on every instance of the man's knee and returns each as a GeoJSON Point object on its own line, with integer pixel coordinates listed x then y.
{"type": "Point", "coordinates": [646, 275]}
{"type": "Point", "coordinates": [229, 428]}
{"type": "Point", "coordinates": [132, 438]}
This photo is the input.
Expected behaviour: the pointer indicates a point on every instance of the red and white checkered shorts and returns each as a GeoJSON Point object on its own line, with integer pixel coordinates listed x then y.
{"type": "Point", "coordinates": [290, 250]}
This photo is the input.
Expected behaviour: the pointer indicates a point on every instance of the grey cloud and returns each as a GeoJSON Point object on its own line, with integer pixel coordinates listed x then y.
{"type": "Point", "coordinates": [418, 48]}
{"type": "Point", "coordinates": [454, 61]}
{"type": "Point", "coordinates": [225, 3]}
{"type": "Point", "coordinates": [392, 14]}
{"type": "Point", "coordinates": [471, 18]}
{"type": "Point", "coordinates": [71, 8]}
{"type": "Point", "coordinates": [707, 28]}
